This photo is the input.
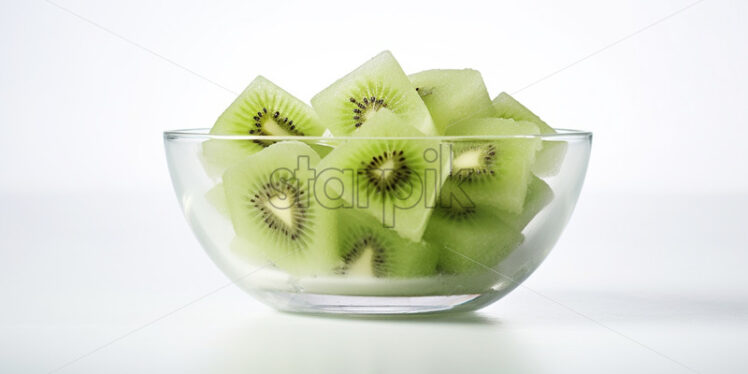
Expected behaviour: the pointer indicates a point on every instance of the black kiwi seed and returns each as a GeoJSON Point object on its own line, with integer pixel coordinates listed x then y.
{"type": "Point", "coordinates": [371, 103]}
{"type": "Point", "coordinates": [282, 121]}
{"type": "Point", "coordinates": [489, 158]}
{"type": "Point", "coordinates": [456, 212]}
{"type": "Point", "coordinates": [423, 91]}
{"type": "Point", "coordinates": [358, 248]}
{"type": "Point", "coordinates": [391, 179]}
{"type": "Point", "coordinates": [260, 200]}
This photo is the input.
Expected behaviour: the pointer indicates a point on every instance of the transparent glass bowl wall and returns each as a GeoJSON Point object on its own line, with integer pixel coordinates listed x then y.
{"type": "Point", "coordinates": [340, 294]}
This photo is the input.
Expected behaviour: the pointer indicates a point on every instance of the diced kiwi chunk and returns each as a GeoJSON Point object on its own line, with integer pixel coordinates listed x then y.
{"type": "Point", "coordinates": [268, 195]}
{"type": "Point", "coordinates": [539, 194]}
{"type": "Point", "coordinates": [262, 109]}
{"type": "Point", "coordinates": [508, 107]}
{"type": "Point", "coordinates": [367, 249]}
{"type": "Point", "coordinates": [493, 172]}
{"type": "Point", "coordinates": [472, 239]}
{"type": "Point", "coordinates": [348, 104]}
{"type": "Point", "coordinates": [216, 196]}
{"type": "Point", "coordinates": [550, 158]}
{"type": "Point", "coordinates": [453, 95]}
{"type": "Point", "coordinates": [394, 179]}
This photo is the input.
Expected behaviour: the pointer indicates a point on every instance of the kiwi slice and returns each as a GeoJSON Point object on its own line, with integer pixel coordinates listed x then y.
{"type": "Point", "coordinates": [539, 194]}
{"type": "Point", "coordinates": [393, 179]}
{"type": "Point", "coordinates": [369, 250]}
{"type": "Point", "coordinates": [551, 156]}
{"type": "Point", "coordinates": [453, 95]}
{"type": "Point", "coordinates": [348, 104]}
{"type": "Point", "coordinates": [268, 195]}
{"type": "Point", "coordinates": [493, 172]}
{"type": "Point", "coordinates": [471, 238]}
{"type": "Point", "coordinates": [262, 109]}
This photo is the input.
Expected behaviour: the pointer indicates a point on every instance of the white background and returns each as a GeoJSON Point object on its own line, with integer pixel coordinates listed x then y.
{"type": "Point", "coordinates": [93, 245]}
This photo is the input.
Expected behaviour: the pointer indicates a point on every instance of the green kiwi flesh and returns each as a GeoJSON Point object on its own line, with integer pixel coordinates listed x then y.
{"type": "Point", "coordinates": [216, 196]}
{"type": "Point", "coordinates": [369, 250]}
{"type": "Point", "coordinates": [262, 109]}
{"type": "Point", "coordinates": [452, 95]}
{"type": "Point", "coordinates": [394, 180]}
{"type": "Point", "coordinates": [471, 238]}
{"type": "Point", "coordinates": [539, 195]}
{"type": "Point", "coordinates": [271, 206]}
{"type": "Point", "coordinates": [346, 105]}
{"type": "Point", "coordinates": [492, 172]}
{"type": "Point", "coordinates": [550, 158]}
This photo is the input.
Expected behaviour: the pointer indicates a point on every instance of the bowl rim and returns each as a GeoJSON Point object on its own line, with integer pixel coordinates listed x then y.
{"type": "Point", "coordinates": [204, 133]}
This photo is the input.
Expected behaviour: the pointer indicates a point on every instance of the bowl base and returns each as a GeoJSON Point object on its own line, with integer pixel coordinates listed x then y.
{"type": "Point", "coordinates": [374, 305]}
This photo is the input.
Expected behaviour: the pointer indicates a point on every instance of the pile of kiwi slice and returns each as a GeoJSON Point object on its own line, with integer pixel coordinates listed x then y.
{"type": "Point", "coordinates": [374, 180]}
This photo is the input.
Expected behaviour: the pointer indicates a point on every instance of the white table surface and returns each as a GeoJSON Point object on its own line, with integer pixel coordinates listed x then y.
{"type": "Point", "coordinates": [116, 283]}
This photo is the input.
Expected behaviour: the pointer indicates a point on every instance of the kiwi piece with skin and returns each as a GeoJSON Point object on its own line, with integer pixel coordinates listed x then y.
{"type": "Point", "coordinates": [550, 158]}
{"type": "Point", "coordinates": [491, 172]}
{"type": "Point", "coordinates": [452, 95]}
{"type": "Point", "coordinates": [346, 105]}
{"type": "Point", "coordinates": [472, 239]}
{"type": "Point", "coordinates": [369, 250]}
{"type": "Point", "coordinates": [268, 196]}
{"type": "Point", "coordinates": [262, 109]}
{"type": "Point", "coordinates": [392, 176]}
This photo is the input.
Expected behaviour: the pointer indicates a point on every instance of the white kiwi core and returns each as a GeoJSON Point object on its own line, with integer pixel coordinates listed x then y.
{"type": "Point", "coordinates": [471, 159]}
{"type": "Point", "coordinates": [272, 128]}
{"type": "Point", "coordinates": [363, 266]}
{"type": "Point", "coordinates": [281, 209]}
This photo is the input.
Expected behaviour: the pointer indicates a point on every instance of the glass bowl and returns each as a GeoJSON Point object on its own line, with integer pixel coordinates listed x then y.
{"type": "Point", "coordinates": [423, 260]}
